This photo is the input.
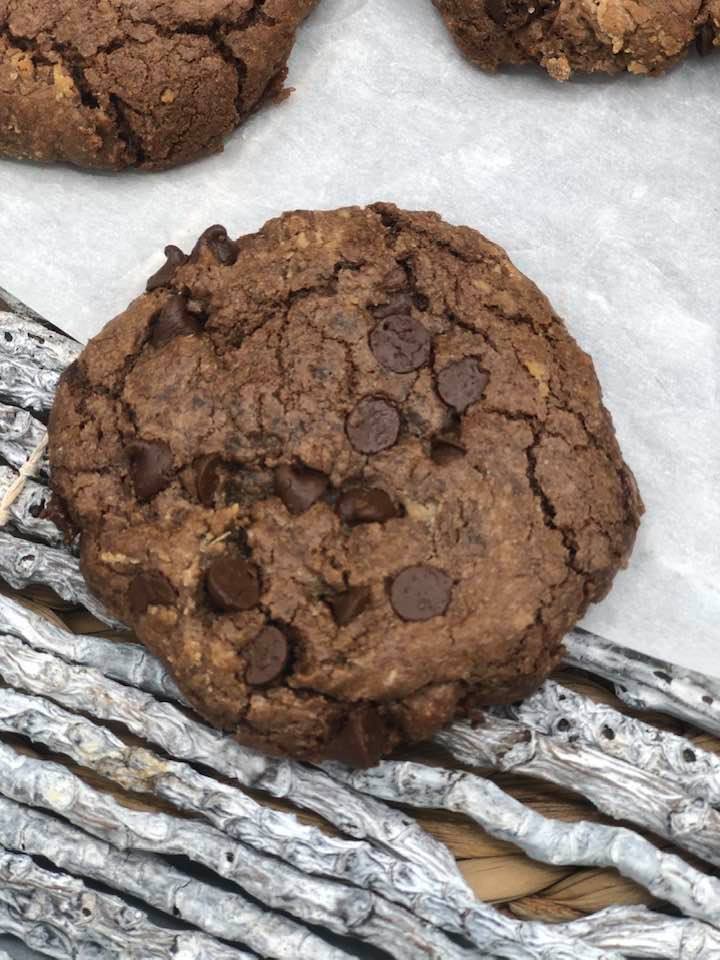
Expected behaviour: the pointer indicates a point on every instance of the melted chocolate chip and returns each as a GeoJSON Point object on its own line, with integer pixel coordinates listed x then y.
{"type": "Point", "coordinates": [362, 741]}
{"type": "Point", "coordinates": [705, 40]}
{"type": "Point", "coordinates": [462, 383]}
{"type": "Point", "coordinates": [149, 589]}
{"type": "Point", "coordinates": [165, 275]}
{"type": "Point", "coordinates": [373, 425]}
{"type": "Point", "coordinates": [174, 320]}
{"type": "Point", "coordinates": [398, 305]}
{"type": "Point", "coordinates": [349, 604]}
{"type": "Point", "coordinates": [446, 449]}
{"type": "Point", "coordinates": [220, 245]}
{"type": "Point", "coordinates": [233, 583]}
{"type": "Point", "coordinates": [299, 487]}
{"type": "Point", "coordinates": [421, 593]}
{"type": "Point", "coordinates": [400, 344]}
{"type": "Point", "coordinates": [267, 657]}
{"type": "Point", "coordinates": [365, 505]}
{"type": "Point", "coordinates": [151, 467]}
{"type": "Point", "coordinates": [207, 478]}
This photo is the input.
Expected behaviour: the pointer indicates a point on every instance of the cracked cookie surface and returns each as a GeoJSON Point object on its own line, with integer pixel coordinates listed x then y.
{"type": "Point", "coordinates": [349, 476]}
{"type": "Point", "coordinates": [589, 36]}
{"type": "Point", "coordinates": [137, 83]}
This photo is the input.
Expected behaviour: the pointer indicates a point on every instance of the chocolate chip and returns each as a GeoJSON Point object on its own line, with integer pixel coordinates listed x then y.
{"type": "Point", "coordinates": [233, 583]}
{"type": "Point", "coordinates": [267, 656]}
{"type": "Point", "coordinates": [349, 604]}
{"type": "Point", "coordinates": [497, 12]}
{"type": "Point", "coordinates": [705, 40]}
{"type": "Point", "coordinates": [373, 425]}
{"type": "Point", "coordinates": [395, 280]}
{"type": "Point", "coordinates": [220, 245]}
{"type": "Point", "coordinates": [165, 275]}
{"type": "Point", "coordinates": [399, 303]}
{"type": "Point", "coordinates": [174, 320]}
{"type": "Point", "coordinates": [366, 505]}
{"type": "Point", "coordinates": [207, 478]}
{"type": "Point", "coordinates": [446, 449]}
{"type": "Point", "coordinates": [421, 593]}
{"type": "Point", "coordinates": [462, 383]}
{"type": "Point", "coordinates": [150, 589]}
{"type": "Point", "coordinates": [151, 467]}
{"type": "Point", "coordinates": [400, 344]}
{"type": "Point", "coordinates": [362, 741]}
{"type": "Point", "coordinates": [299, 487]}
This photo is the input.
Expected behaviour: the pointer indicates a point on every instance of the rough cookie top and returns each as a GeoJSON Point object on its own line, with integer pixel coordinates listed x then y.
{"type": "Point", "coordinates": [145, 83]}
{"type": "Point", "coordinates": [640, 36]}
{"type": "Point", "coordinates": [350, 476]}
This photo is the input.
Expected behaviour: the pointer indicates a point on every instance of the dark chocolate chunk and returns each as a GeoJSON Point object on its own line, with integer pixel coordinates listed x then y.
{"type": "Point", "coordinates": [400, 344]}
{"type": "Point", "coordinates": [207, 478]}
{"type": "Point", "coordinates": [151, 467]}
{"type": "Point", "coordinates": [462, 383]}
{"type": "Point", "coordinates": [446, 449]}
{"type": "Point", "coordinates": [349, 604]}
{"type": "Point", "coordinates": [705, 40]}
{"type": "Point", "coordinates": [362, 740]}
{"type": "Point", "coordinates": [165, 275]}
{"type": "Point", "coordinates": [267, 657]}
{"type": "Point", "coordinates": [373, 425]}
{"type": "Point", "coordinates": [421, 593]}
{"type": "Point", "coordinates": [174, 320]}
{"type": "Point", "coordinates": [233, 583]}
{"type": "Point", "coordinates": [150, 589]}
{"type": "Point", "coordinates": [366, 505]}
{"type": "Point", "coordinates": [299, 487]}
{"type": "Point", "coordinates": [220, 245]}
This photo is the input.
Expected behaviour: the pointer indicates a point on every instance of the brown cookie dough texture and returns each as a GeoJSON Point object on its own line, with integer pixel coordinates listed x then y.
{"type": "Point", "coordinates": [564, 36]}
{"type": "Point", "coordinates": [145, 83]}
{"type": "Point", "coordinates": [349, 476]}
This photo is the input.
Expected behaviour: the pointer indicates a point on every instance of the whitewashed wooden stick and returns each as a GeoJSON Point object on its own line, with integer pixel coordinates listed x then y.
{"type": "Point", "coordinates": [22, 501]}
{"type": "Point", "coordinates": [652, 935]}
{"type": "Point", "coordinates": [222, 914]}
{"type": "Point", "coordinates": [648, 684]}
{"type": "Point", "coordinates": [618, 789]}
{"type": "Point", "coordinates": [129, 663]}
{"type": "Point", "coordinates": [227, 809]}
{"type": "Point", "coordinates": [32, 357]}
{"type": "Point", "coordinates": [191, 740]}
{"type": "Point", "coordinates": [343, 909]}
{"type": "Point", "coordinates": [20, 435]}
{"type": "Point", "coordinates": [557, 711]}
{"type": "Point", "coordinates": [666, 876]}
{"type": "Point", "coordinates": [23, 564]}
{"type": "Point", "coordinates": [61, 916]}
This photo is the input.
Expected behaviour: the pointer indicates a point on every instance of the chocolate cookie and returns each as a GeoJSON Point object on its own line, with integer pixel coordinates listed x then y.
{"type": "Point", "coordinates": [349, 476]}
{"type": "Point", "coordinates": [127, 83]}
{"type": "Point", "coordinates": [563, 36]}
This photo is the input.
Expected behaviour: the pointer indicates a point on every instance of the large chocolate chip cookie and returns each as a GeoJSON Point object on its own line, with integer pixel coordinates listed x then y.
{"type": "Point", "coordinates": [143, 83]}
{"type": "Point", "coordinates": [349, 476]}
{"type": "Point", "coordinates": [564, 36]}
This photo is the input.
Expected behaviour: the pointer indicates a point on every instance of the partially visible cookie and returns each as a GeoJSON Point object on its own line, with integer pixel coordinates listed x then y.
{"type": "Point", "coordinates": [589, 36]}
{"type": "Point", "coordinates": [349, 476]}
{"type": "Point", "coordinates": [137, 83]}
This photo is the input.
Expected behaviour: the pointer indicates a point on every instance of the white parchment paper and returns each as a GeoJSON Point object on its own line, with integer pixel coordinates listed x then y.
{"type": "Point", "coordinates": [606, 192]}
